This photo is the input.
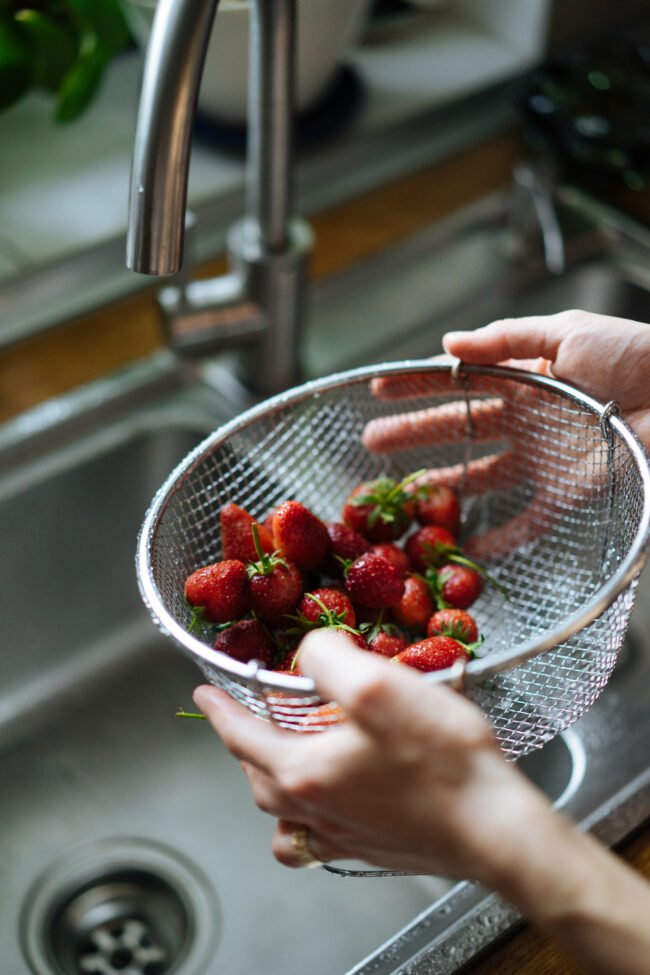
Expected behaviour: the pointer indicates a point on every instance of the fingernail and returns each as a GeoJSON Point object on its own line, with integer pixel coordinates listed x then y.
{"type": "Point", "coordinates": [451, 337]}
{"type": "Point", "coordinates": [204, 695]}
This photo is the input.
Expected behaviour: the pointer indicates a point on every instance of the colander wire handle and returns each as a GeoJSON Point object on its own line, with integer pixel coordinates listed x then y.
{"type": "Point", "coordinates": [610, 409]}
{"type": "Point", "coordinates": [463, 382]}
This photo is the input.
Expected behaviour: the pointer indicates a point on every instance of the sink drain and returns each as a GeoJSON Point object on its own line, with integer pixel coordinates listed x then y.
{"type": "Point", "coordinates": [123, 907]}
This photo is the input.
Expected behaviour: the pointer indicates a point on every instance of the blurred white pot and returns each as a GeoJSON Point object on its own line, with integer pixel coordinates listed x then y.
{"type": "Point", "coordinates": [326, 31]}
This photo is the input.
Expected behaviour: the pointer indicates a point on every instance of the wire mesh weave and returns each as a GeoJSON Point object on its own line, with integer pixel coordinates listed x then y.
{"type": "Point", "coordinates": [554, 493]}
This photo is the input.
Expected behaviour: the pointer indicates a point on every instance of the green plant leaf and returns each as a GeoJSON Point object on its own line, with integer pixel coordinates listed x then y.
{"type": "Point", "coordinates": [52, 48]}
{"type": "Point", "coordinates": [106, 21]}
{"type": "Point", "coordinates": [80, 85]}
{"type": "Point", "coordinates": [15, 67]}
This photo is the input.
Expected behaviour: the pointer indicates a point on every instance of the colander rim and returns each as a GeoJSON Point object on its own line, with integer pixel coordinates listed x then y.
{"type": "Point", "coordinates": [477, 669]}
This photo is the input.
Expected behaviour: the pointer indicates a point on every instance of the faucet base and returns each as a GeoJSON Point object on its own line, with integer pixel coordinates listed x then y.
{"type": "Point", "coordinates": [278, 283]}
{"type": "Point", "coordinates": [260, 306]}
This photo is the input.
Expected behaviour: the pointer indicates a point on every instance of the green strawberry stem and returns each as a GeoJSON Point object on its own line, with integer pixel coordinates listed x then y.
{"type": "Point", "coordinates": [462, 560]}
{"type": "Point", "coordinates": [266, 563]}
{"type": "Point", "coordinates": [190, 714]}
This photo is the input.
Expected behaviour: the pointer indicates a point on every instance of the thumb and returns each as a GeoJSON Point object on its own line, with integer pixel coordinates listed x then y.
{"type": "Point", "coordinates": [377, 694]}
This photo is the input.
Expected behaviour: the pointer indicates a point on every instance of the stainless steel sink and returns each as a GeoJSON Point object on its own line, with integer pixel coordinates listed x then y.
{"type": "Point", "coordinates": [129, 839]}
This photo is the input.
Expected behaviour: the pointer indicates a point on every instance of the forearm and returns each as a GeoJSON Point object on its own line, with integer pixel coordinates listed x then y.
{"type": "Point", "coordinates": [583, 896]}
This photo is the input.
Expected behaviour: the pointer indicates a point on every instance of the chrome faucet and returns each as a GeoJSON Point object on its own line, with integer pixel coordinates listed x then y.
{"type": "Point", "coordinates": [260, 304]}
{"type": "Point", "coordinates": [533, 196]}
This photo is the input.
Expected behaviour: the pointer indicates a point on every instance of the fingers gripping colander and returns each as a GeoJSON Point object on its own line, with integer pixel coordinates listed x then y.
{"type": "Point", "coordinates": [555, 496]}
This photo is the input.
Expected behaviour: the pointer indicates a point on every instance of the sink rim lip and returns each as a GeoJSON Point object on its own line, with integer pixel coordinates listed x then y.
{"type": "Point", "coordinates": [252, 673]}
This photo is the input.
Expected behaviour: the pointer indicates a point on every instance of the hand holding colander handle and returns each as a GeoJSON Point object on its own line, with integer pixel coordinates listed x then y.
{"type": "Point", "coordinates": [608, 358]}
{"type": "Point", "coordinates": [414, 781]}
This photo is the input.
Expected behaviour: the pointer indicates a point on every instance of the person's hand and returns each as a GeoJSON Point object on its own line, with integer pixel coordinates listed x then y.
{"type": "Point", "coordinates": [608, 358]}
{"type": "Point", "coordinates": [412, 780]}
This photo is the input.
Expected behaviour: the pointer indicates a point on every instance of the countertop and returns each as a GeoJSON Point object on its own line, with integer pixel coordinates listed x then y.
{"type": "Point", "coordinates": [89, 347]}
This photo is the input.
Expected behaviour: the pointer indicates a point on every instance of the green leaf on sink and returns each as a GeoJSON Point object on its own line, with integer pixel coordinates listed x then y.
{"type": "Point", "coordinates": [80, 85]}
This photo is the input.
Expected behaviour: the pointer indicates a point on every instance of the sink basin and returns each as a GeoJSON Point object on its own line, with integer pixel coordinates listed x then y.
{"type": "Point", "coordinates": [129, 837]}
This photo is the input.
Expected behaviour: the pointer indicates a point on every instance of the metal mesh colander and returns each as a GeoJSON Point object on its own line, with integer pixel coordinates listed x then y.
{"type": "Point", "coordinates": [555, 494]}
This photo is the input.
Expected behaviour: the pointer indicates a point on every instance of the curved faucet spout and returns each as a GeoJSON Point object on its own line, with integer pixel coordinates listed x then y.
{"type": "Point", "coordinates": [172, 74]}
{"type": "Point", "coordinates": [261, 304]}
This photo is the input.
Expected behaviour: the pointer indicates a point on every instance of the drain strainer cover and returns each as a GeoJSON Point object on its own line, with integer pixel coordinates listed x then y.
{"type": "Point", "coordinates": [121, 907]}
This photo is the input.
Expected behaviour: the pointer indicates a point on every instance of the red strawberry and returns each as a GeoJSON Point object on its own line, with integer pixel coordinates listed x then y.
{"type": "Point", "coordinates": [374, 582]}
{"type": "Point", "coordinates": [357, 638]}
{"type": "Point", "coordinates": [275, 587]}
{"type": "Point", "coordinates": [220, 591]}
{"type": "Point", "coordinates": [438, 504]}
{"type": "Point", "coordinates": [245, 640]}
{"type": "Point", "coordinates": [459, 585]}
{"type": "Point", "coordinates": [289, 664]}
{"type": "Point", "coordinates": [394, 554]}
{"type": "Point", "coordinates": [327, 607]}
{"type": "Point", "coordinates": [345, 544]}
{"type": "Point", "coordinates": [268, 521]}
{"type": "Point", "coordinates": [414, 609]}
{"type": "Point", "coordinates": [380, 510]}
{"type": "Point", "coordinates": [388, 644]}
{"type": "Point", "coordinates": [429, 546]}
{"type": "Point", "coordinates": [237, 537]}
{"type": "Point", "coordinates": [434, 653]}
{"type": "Point", "coordinates": [299, 535]}
{"type": "Point", "coordinates": [455, 623]}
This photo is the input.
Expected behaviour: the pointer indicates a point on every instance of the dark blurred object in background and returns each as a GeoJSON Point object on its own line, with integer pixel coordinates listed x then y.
{"type": "Point", "coordinates": [588, 115]}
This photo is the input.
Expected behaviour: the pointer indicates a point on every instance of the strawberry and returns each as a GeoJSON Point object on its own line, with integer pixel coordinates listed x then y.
{"type": "Point", "coordinates": [275, 587]}
{"type": "Point", "coordinates": [434, 653]}
{"type": "Point", "coordinates": [455, 623]}
{"type": "Point", "coordinates": [268, 521]}
{"type": "Point", "coordinates": [327, 607]}
{"type": "Point", "coordinates": [459, 585]}
{"type": "Point", "coordinates": [357, 638]}
{"type": "Point", "coordinates": [430, 546]}
{"type": "Point", "coordinates": [237, 537]}
{"type": "Point", "coordinates": [345, 544]}
{"type": "Point", "coordinates": [394, 554]}
{"type": "Point", "coordinates": [299, 535]}
{"type": "Point", "coordinates": [380, 510]}
{"type": "Point", "coordinates": [374, 582]}
{"type": "Point", "coordinates": [288, 664]}
{"type": "Point", "coordinates": [438, 504]}
{"type": "Point", "coordinates": [414, 609]}
{"type": "Point", "coordinates": [219, 592]}
{"type": "Point", "coordinates": [388, 643]}
{"type": "Point", "coordinates": [245, 640]}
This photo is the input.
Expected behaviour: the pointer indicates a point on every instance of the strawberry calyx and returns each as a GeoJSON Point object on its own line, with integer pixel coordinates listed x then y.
{"type": "Point", "coordinates": [266, 563]}
{"type": "Point", "coordinates": [455, 630]}
{"type": "Point", "coordinates": [387, 498]}
{"type": "Point", "coordinates": [326, 617]}
{"type": "Point", "coordinates": [198, 621]}
{"type": "Point", "coordinates": [373, 629]}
